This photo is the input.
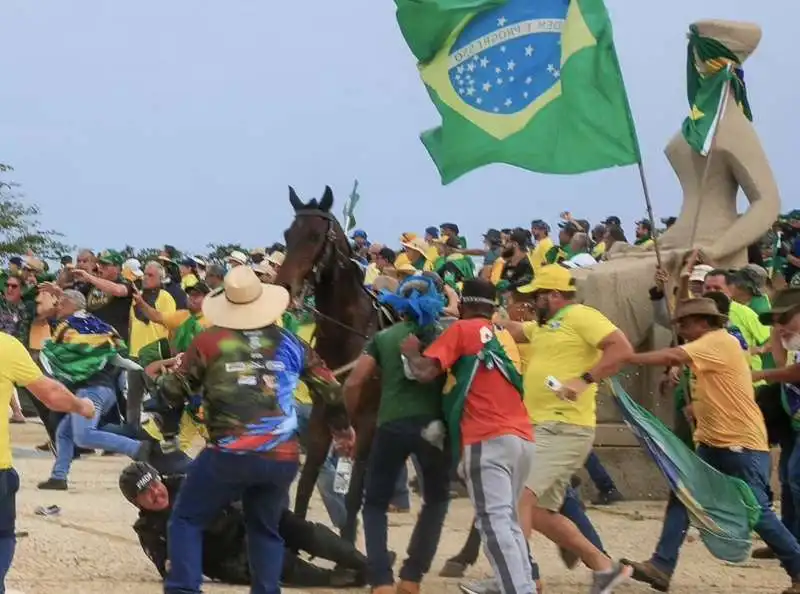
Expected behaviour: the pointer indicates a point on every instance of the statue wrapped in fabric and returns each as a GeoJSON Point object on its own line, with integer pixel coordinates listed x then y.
{"type": "Point", "coordinates": [716, 153]}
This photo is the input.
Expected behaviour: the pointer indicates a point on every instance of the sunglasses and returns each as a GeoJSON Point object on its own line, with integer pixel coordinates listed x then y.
{"type": "Point", "coordinates": [13, 286]}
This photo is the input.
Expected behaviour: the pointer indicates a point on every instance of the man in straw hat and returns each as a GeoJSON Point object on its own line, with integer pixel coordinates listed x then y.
{"type": "Point", "coordinates": [730, 435]}
{"type": "Point", "coordinates": [246, 368]}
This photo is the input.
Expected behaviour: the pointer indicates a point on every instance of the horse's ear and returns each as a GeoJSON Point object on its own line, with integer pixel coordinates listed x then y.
{"type": "Point", "coordinates": [294, 199]}
{"type": "Point", "coordinates": [327, 200]}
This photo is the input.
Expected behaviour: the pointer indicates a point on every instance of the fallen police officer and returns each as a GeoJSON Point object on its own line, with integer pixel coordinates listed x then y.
{"type": "Point", "coordinates": [225, 556]}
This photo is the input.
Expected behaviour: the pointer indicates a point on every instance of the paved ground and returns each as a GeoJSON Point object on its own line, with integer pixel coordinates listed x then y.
{"type": "Point", "coordinates": [91, 549]}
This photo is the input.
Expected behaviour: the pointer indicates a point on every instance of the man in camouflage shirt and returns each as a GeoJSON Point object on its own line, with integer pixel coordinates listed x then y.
{"type": "Point", "coordinates": [246, 369]}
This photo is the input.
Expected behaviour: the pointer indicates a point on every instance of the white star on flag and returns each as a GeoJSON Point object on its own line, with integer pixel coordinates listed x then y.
{"type": "Point", "coordinates": [503, 48]}
{"type": "Point", "coordinates": [556, 73]}
{"type": "Point", "coordinates": [550, 68]}
{"type": "Point", "coordinates": [471, 91]}
{"type": "Point", "coordinates": [529, 50]}
{"type": "Point", "coordinates": [496, 109]}
{"type": "Point", "coordinates": [510, 79]}
{"type": "Point", "coordinates": [528, 80]}
{"type": "Point", "coordinates": [511, 65]}
{"type": "Point", "coordinates": [507, 102]}
{"type": "Point", "coordinates": [460, 69]}
{"type": "Point", "coordinates": [487, 86]}
{"type": "Point", "coordinates": [458, 77]}
{"type": "Point", "coordinates": [471, 66]}
{"type": "Point", "coordinates": [525, 94]}
{"type": "Point", "coordinates": [484, 62]}
{"type": "Point", "coordinates": [499, 81]}
{"type": "Point", "coordinates": [479, 100]}
{"type": "Point", "coordinates": [501, 22]}
{"type": "Point", "coordinates": [498, 70]}
{"type": "Point", "coordinates": [461, 91]}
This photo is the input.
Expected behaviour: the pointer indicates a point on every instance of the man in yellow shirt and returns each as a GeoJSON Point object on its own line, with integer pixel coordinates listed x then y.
{"type": "Point", "coordinates": [543, 244]}
{"type": "Point", "coordinates": [17, 369]}
{"type": "Point", "coordinates": [572, 348]}
{"type": "Point", "coordinates": [730, 435]}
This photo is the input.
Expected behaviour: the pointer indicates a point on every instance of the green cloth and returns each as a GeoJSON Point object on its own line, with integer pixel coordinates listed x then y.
{"type": "Point", "coordinates": [401, 397]}
{"type": "Point", "coordinates": [157, 350]}
{"type": "Point", "coordinates": [707, 93]}
{"type": "Point", "coordinates": [721, 507]}
{"type": "Point", "coordinates": [185, 333]}
{"type": "Point", "coordinates": [536, 85]}
{"type": "Point", "coordinates": [760, 304]}
{"type": "Point", "coordinates": [456, 268]}
{"type": "Point", "coordinates": [557, 254]}
{"type": "Point", "coordinates": [290, 322]}
{"type": "Point", "coordinates": [492, 356]}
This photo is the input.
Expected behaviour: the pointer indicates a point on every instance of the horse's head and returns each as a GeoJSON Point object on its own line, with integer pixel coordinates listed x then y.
{"type": "Point", "coordinates": [312, 241]}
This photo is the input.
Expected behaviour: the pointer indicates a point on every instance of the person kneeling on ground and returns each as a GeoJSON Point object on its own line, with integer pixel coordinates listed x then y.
{"type": "Point", "coordinates": [225, 555]}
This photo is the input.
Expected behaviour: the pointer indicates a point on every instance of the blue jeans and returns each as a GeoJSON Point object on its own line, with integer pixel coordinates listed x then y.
{"type": "Point", "coordinates": [598, 474]}
{"type": "Point", "coordinates": [75, 431]}
{"type": "Point", "coordinates": [394, 442]}
{"type": "Point", "coordinates": [334, 502]}
{"type": "Point", "coordinates": [753, 468]}
{"type": "Point", "coordinates": [9, 485]}
{"type": "Point", "coordinates": [789, 473]}
{"type": "Point", "coordinates": [214, 480]}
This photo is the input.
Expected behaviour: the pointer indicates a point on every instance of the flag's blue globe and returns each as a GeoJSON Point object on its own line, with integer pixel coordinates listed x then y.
{"type": "Point", "coordinates": [508, 56]}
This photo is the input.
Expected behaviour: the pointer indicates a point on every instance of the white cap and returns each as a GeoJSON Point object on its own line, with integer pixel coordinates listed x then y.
{"type": "Point", "coordinates": [580, 261]}
{"type": "Point", "coordinates": [134, 266]}
{"type": "Point", "coordinates": [699, 273]}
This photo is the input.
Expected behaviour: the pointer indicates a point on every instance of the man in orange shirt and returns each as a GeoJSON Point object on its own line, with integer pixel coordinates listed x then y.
{"type": "Point", "coordinates": [487, 423]}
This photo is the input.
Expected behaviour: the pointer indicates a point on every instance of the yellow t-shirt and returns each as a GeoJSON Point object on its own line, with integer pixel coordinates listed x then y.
{"type": "Point", "coordinates": [173, 319]}
{"type": "Point", "coordinates": [301, 394]}
{"type": "Point", "coordinates": [511, 348]}
{"type": "Point", "coordinates": [401, 260]}
{"type": "Point", "coordinates": [565, 348]}
{"type": "Point", "coordinates": [599, 250]}
{"type": "Point", "coordinates": [189, 280]}
{"type": "Point", "coordinates": [538, 255]}
{"type": "Point", "coordinates": [497, 271]}
{"type": "Point", "coordinates": [16, 369]}
{"type": "Point", "coordinates": [723, 398]}
{"type": "Point", "coordinates": [371, 274]}
{"type": "Point", "coordinates": [143, 334]}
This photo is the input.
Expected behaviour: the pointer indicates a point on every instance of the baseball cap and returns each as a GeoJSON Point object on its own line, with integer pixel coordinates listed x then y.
{"type": "Point", "coordinates": [110, 257]}
{"type": "Point", "coordinates": [492, 236]}
{"type": "Point", "coordinates": [552, 277]}
{"type": "Point", "coordinates": [645, 223]}
{"type": "Point", "coordinates": [539, 224]}
{"type": "Point", "coordinates": [783, 302]}
{"type": "Point", "coordinates": [569, 226]}
{"type": "Point", "coordinates": [699, 273]}
{"type": "Point", "coordinates": [613, 220]}
{"type": "Point", "coordinates": [136, 478]}
{"type": "Point", "coordinates": [449, 227]}
{"type": "Point", "coordinates": [199, 287]}
{"type": "Point", "coordinates": [16, 261]}
{"type": "Point", "coordinates": [432, 231]}
{"type": "Point", "coordinates": [237, 256]}
{"type": "Point", "coordinates": [520, 237]}
{"type": "Point", "coordinates": [359, 233]}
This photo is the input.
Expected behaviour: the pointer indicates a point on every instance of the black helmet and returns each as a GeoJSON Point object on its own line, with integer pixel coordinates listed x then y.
{"type": "Point", "coordinates": [135, 478]}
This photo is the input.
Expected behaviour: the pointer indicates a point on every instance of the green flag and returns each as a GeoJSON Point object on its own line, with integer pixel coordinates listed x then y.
{"type": "Point", "coordinates": [708, 90]}
{"type": "Point", "coordinates": [532, 84]}
{"type": "Point", "coordinates": [349, 209]}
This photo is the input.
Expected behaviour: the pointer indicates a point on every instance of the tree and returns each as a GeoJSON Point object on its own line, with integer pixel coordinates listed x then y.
{"type": "Point", "coordinates": [20, 232]}
{"type": "Point", "coordinates": [220, 251]}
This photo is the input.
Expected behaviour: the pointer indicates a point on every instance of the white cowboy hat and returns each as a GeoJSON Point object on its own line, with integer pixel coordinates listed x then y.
{"type": "Point", "coordinates": [244, 303]}
{"type": "Point", "coordinates": [276, 258]}
{"type": "Point", "coordinates": [263, 268]}
{"type": "Point", "coordinates": [237, 256]}
{"type": "Point", "coordinates": [418, 245]}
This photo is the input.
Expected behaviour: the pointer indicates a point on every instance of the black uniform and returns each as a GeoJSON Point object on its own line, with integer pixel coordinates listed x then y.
{"type": "Point", "coordinates": [225, 551]}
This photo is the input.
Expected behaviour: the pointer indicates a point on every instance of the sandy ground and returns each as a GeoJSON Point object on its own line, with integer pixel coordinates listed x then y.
{"type": "Point", "coordinates": [91, 549]}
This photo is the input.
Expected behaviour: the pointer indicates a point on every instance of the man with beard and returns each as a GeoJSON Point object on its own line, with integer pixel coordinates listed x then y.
{"type": "Point", "coordinates": [225, 556]}
{"type": "Point", "coordinates": [517, 270]}
{"type": "Point", "coordinates": [541, 236]}
{"type": "Point", "coordinates": [108, 296]}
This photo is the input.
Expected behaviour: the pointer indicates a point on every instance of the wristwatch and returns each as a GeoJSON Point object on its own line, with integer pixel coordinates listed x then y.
{"type": "Point", "coordinates": [587, 377]}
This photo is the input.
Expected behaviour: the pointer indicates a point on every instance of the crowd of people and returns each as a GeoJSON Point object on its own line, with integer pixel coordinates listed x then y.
{"type": "Point", "coordinates": [483, 362]}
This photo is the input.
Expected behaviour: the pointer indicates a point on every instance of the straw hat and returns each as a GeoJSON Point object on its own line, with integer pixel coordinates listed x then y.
{"type": "Point", "coordinates": [701, 306]}
{"type": "Point", "coordinates": [244, 303]}
{"type": "Point", "coordinates": [264, 268]}
{"type": "Point", "coordinates": [276, 258]}
{"type": "Point", "coordinates": [237, 256]}
{"type": "Point", "coordinates": [417, 244]}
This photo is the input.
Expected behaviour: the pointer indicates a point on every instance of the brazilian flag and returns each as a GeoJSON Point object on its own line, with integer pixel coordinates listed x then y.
{"type": "Point", "coordinates": [535, 84]}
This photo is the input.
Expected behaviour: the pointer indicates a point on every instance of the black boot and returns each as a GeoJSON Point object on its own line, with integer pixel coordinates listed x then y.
{"type": "Point", "coordinates": [324, 543]}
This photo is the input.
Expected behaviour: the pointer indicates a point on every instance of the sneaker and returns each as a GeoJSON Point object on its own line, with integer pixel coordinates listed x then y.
{"type": "Point", "coordinates": [763, 553]}
{"type": "Point", "coordinates": [53, 484]}
{"type": "Point", "coordinates": [647, 573]}
{"type": "Point", "coordinates": [453, 568]}
{"type": "Point", "coordinates": [604, 582]}
{"type": "Point", "coordinates": [486, 586]}
{"type": "Point", "coordinates": [608, 498]}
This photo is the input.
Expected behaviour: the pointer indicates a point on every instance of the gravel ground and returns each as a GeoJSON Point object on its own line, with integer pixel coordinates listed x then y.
{"type": "Point", "coordinates": [90, 547]}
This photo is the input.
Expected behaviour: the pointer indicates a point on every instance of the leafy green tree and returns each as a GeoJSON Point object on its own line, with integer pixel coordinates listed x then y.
{"type": "Point", "coordinates": [20, 230]}
{"type": "Point", "coordinates": [220, 251]}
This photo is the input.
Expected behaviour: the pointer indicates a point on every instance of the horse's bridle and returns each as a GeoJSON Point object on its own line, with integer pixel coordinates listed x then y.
{"type": "Point", "coordinates": [329, 255]}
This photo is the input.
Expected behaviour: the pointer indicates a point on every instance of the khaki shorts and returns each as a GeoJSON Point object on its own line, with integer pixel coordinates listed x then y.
{"type": "Point", "coordinates": [561, 450]}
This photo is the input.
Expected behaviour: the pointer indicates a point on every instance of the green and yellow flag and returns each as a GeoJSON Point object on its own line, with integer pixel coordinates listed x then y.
{"type": "Point", "coordinates": [708, 88]}
{"type": "Point", "coordinates": [531, 84]}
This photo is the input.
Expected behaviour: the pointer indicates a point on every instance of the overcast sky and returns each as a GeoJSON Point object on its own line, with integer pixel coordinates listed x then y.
{"type": "Point", "coordinates": [184, 121]}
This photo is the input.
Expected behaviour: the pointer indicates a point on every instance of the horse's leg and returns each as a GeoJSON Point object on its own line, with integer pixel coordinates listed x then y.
{"type": "Point", "coordinates": [355, 493]}
{"type": "Point", "coordinates": [318, 444]}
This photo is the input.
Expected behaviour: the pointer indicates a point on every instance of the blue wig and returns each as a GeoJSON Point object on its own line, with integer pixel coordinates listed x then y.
{"type": "Point", "coordinates": [416, 298]}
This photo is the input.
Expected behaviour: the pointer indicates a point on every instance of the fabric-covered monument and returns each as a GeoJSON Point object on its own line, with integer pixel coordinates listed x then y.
{"type": "Point", "coordinates": [710, 173]}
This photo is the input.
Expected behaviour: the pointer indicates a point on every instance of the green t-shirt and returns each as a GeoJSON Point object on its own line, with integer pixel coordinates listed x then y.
{"type": "Point", "coordinates": [760, 304]}
{"type": "Point", "coordinates": [400, 397]}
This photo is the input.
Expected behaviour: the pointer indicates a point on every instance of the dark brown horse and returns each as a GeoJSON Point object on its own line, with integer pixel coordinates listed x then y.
{"type": "Point", "coordinates": [319, 255]}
